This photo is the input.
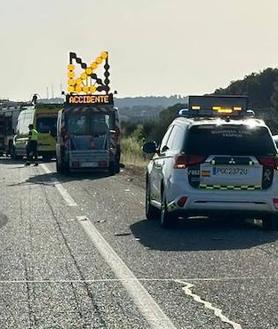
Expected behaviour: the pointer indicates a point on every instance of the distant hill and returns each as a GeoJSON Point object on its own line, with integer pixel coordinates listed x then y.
{"type": "Point", "coordinates": [137, 108]}
{"type": "Point", "coordinates": [144, 108]}
{"type": "Point", "coordinates": [262, 89]}
{"type": "Point", "coordinates": [153, 101]}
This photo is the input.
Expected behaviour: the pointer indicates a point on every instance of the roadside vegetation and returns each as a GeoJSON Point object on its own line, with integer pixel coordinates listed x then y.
{"type": "Point", "coordinates": [262, 89]}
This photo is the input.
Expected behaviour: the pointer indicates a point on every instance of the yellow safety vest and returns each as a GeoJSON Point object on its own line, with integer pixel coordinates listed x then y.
{"type": "Point", "coordinates": [33, 135]}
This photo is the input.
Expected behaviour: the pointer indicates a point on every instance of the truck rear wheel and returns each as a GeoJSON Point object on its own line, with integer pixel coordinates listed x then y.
{"type": "Point", "coordinates": [62, 167]}
{"type": "Point", "coordinates": [112, 168]}
{"type": "Point", "coordinates": [58, 167]}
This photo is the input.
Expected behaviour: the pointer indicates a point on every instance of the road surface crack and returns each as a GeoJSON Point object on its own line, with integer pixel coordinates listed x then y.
{"type": "Point", "coordinates": [217, 311]}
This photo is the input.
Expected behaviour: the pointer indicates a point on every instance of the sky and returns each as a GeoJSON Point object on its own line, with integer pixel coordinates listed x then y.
{"type": "Point", "coordinates": [156, 47]}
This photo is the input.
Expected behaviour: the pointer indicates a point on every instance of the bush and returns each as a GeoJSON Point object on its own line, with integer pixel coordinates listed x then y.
{"type": "Point", "coordinates": [132, 151]}
{"type": "Point", "coordinates": [135, 135]}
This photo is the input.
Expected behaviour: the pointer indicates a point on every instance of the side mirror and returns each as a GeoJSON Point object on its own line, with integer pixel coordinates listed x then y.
{"type": "Point", "coordinates": [150, 147]}
{"type": "Point", "coordinates": [164, 148]}
{"type": "Point", "coordinates": [184, 113]}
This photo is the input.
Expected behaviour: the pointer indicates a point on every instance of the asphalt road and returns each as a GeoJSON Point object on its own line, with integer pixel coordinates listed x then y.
{"type": "Point", "coordinates": [77, 252]}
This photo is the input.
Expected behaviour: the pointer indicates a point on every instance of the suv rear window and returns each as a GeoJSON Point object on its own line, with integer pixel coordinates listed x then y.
{"type": "Point", "coordinates": [229, 140]}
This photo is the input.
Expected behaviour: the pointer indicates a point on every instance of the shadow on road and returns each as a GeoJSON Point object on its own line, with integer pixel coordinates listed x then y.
{"type": "Point", "coordinates": [3, 220]}
{"type": "Point", "coordinates": [9, 161]}
{"type": "Point", "coordinates": [51, 178]}
{"type": "Point", "coordinates": [48, 178]}
{"type": "Point", "coordinates": [194, 235]}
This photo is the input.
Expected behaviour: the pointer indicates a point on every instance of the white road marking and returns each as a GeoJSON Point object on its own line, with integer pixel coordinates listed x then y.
{"type": "Point", "coordinates": [64, 193]}
{"type": "Point", "coordinates": [139, 279]}
{"type": "Point", "coordinates": [154, 315]}
{"type": "Point", "coordinates": [217, 311]}
{"type": "Point", "coordinates": [142, 299]}
{"type": "Point", "coordinates": [45, 168]}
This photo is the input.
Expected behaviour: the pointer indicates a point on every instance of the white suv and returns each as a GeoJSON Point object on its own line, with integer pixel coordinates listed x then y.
{"type": "Point", "coordinates": [213, 167]}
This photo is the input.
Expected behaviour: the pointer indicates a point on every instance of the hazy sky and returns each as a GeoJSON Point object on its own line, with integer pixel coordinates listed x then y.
{"type": "Point", "coordinates": [157, 47]}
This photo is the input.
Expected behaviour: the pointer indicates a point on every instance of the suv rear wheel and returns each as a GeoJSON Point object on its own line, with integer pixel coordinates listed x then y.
{"type": "Point", "coordinates": [151, 211]}
{"type": "Point", "coordinates": [167, 219]}
{"type": "Point", "coordinates": [270, 222]}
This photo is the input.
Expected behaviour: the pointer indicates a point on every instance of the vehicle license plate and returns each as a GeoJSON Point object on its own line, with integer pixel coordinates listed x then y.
{"type": "Point", "coordinates": [89, 164]}
{"type": "Point", "coordinates": [230, 171]}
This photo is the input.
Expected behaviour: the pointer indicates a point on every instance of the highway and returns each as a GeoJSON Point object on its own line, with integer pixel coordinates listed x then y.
{"type": "Point", "coordinates": [77, 252]}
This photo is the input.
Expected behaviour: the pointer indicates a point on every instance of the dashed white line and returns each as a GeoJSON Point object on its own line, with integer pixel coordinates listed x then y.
{"type": "Point", "coordinates": [154, 315]}
{"type": "Point", "coordinates": [45, 168]}
{"type": "Point", "coordinates": [64, 193]}
{"type": "Point", "coordinates": [217, 311]}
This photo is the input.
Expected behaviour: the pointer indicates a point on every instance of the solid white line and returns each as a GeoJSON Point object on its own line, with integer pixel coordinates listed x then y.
{"type": "Point", "coordinates": [142, 299]}
{"type": "Point", "coordinates": [177, 280]}
{"type": "Point", "coordinates": [217, 311]}
{"type": "Point", "coordinates": [64, 193]}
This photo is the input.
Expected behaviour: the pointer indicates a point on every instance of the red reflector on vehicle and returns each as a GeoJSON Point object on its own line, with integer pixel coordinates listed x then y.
{"type": "Point", "coordinates": [184, 161]}
{"type": "Point", "coordinates": [102, 164]}
{"type": "Point", "coordinates": [269, 162]}
{"type": "Point", "coordinates": [275, 202]}
{"type": "Point", "coordinates": [181, 202]}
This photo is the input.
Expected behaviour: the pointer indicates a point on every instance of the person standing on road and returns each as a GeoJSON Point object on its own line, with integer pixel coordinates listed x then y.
{"type": "Point", "coordinates": [32, 146]}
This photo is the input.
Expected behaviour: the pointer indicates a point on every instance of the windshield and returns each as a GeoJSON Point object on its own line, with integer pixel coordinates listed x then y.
{"type": "Point", "coordinates": [87, 123]}
{"type": "Point", "coordinates": [46, 124]}
{"type": "Point", "coordinates": [88, 130]}
{"type": "Point", "coordinates": [229, 140]}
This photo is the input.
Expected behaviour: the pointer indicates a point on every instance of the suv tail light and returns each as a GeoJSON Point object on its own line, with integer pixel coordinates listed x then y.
{"type": "Point", "coordinates": [275, 202]}
{"type": "Point", "coordinates": [181, 202]}
{"type": "Point", "coordinates": [183, 161]}
{"type": "Point", "coordinates": [269, 162]}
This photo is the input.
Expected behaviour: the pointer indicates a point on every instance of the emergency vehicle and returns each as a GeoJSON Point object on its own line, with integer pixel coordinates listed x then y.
{"type": "Point", "coordinates": [215, 159]}
{"type": "Point", "coordinates": [9, 112]}
{"type": "Point", "coordinates": [88, 128]}
{"type": "Point", "coordinates": [44, 119]}
{"type": "Point", "coordinates": [2, 134]}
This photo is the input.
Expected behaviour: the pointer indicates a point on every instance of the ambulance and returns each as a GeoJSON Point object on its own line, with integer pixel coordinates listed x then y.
{"type": "Point", "coordinates": [44, 118]}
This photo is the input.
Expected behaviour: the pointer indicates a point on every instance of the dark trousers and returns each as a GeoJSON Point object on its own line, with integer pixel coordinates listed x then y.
{"type": "Point", "coordinates": [32, 150]}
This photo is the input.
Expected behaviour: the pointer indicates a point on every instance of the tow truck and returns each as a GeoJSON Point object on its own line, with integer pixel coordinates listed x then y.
{"type": "Point", "coordinates": [88, 129]}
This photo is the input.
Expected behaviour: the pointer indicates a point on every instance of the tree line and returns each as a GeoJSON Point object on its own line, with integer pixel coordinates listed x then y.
{"type": "Point", "coordinates": [261, 88]}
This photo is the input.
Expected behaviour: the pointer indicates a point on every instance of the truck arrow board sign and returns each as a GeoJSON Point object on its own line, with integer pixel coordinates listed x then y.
{"type": "Point", "coordinates": [89, 99]}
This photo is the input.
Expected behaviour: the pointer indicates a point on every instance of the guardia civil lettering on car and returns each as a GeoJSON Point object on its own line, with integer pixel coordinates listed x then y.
{"type": "Point", "coordinates": [216, 159]}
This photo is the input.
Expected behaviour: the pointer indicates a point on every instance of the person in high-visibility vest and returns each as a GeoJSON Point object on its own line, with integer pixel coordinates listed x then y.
{"type": "Point", "coordinates": [32, 146]}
